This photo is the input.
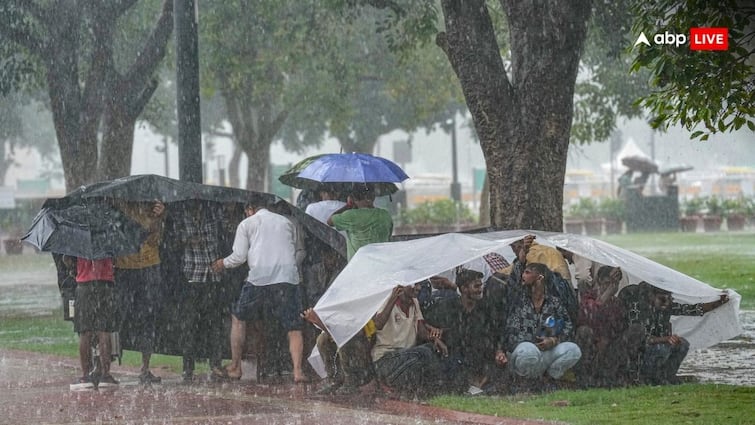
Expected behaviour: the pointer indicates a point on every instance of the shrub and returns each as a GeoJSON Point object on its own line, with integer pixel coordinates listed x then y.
{"type": "Point", "coordinates": [714, 206]}
{"type": "Point", "coordinates": [612, 209]}
{"type": "Point", "coordinates": [443, 212]}
{"type": "Point", "coordinates": [586, 208]}
{"type": "Point", "coordinates": [693, 206]}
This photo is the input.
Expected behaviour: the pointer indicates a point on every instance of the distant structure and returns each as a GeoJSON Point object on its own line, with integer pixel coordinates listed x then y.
{"type": "Point", "coordinates": [654, 211]}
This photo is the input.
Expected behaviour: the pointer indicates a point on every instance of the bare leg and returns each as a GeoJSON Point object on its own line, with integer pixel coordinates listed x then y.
{"type": "Point", "coordinates": [296, 348]}
{"type": "Point", "coordinates": [85, 351]}
{"type": "Point", "coordinates": [103, 339]}
{"type": "Point", "coordinates": [145, 361]}
{"type": "Point", "coordinates": [238, 340]}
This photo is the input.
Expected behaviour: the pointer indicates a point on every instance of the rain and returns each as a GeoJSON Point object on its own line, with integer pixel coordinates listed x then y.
{"type": "Point", "coordinates": [490, 116]}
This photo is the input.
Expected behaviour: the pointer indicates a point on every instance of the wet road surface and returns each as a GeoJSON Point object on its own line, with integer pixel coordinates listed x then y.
{"type": "Point", "coordinates": [34, 390]}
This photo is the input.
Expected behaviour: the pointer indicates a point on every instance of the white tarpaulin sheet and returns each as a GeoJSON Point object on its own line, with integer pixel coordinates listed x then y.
{"type": "Point", "coordinates": [366, 281]}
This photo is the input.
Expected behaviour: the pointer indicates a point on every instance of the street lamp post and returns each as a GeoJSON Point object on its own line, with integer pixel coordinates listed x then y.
{"type": "Point", "coordinates": [185, 17]}
{"type": "Point", "coordinates": [455, 185]}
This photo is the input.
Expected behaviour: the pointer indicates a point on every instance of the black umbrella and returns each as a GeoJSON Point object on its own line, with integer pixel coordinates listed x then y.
{"type": "Point", "coordinates": [87, 231]}
{"type": "Point", "coordinates": [640, 163]}
{"type": "Point", "coordinates": [148, 188]}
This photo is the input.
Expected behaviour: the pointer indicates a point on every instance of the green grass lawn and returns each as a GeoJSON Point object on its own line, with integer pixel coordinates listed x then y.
{"type": "Point", "coordinates": [723, 260]}
{"type": "Point", "coordinates": [671, 405]}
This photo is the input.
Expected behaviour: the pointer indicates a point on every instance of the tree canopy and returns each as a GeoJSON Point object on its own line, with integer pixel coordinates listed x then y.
{"type": "Point", "coordinates": [94, 99]}
{"type": "Point", "coordinates": [704, 91]}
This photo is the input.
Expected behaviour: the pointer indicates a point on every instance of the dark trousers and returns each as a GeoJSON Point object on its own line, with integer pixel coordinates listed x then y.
{"type": "Point", "coordinates": [661, 362]}
{"type": "Point", "coordinates": [414, 369]}
{"type": "Point", "coordinates": [608, 364]}
{"type": "Point", "coordinates": [202, 331]}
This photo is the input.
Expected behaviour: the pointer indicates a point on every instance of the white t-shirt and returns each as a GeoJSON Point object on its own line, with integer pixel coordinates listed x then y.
{"type": "Point", "coordinates": [399, 332]}
{"type": "Point", "coordinates": [324, 209]}
{"type": "Point", "coordinates": [267, 243]}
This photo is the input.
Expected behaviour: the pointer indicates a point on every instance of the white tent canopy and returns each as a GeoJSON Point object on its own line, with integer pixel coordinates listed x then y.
{"type": "Point", "coordinates": [366, 281]}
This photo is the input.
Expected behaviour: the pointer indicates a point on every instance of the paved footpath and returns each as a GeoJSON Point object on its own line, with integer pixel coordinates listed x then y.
{"type": "Point", "coordinates": [34, 390]}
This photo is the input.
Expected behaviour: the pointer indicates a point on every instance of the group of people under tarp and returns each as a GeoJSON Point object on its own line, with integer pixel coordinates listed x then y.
{"type": "Point", "coordinates": [548, 320]}
{"type": "Point", "coordinates": [170, 298]}
{"type": "Point", "coordinates": [207, 270]}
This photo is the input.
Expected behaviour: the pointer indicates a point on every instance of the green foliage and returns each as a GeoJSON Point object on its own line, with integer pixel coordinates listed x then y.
{"type": "Point", "coordinates": [586, 208]}
{"type": "Point", "coordinates": [612, 209]}
{"type": "Point", "coordinates": [362, 85]}
{"type": "Point", "coordinates": [679, 405]}
{"type": "Point", "coordinates": [443, 212]}
{"type": "Point", "coordinates": [607, 90]}
{"type": "Point", "coordinates": [697, 87]}
{"type": "Point", "coordinates": [714, 205]}
{"type": "Point", "coordinates": [740, 206]}
{"type": "Point", "coordinates": [693, 206]}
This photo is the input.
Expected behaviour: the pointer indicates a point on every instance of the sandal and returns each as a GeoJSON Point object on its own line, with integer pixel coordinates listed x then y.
{"type": "Point", "coordinates": [218, 374]}
{"type": "Point", "coordinates": [228, 376]}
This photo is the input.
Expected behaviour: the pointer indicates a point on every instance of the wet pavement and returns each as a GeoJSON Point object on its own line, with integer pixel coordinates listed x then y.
{"type": "Point", "coordinates": [35, 391]}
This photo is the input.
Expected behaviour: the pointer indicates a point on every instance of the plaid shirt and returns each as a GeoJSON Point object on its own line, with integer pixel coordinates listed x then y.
{"type": "Point", "coordinates": [201, 238]}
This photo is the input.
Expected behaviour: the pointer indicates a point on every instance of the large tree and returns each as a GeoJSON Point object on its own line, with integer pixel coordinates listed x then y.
{"type": "Point", "coordinates": [295, 71]}
{"type": "Point", "coordinates": [522, 116]}
{"type": "Point", "coordinates": [366, 89]}
{"type": "Point", "coordinates": [90, 94]}
{"type": "Point", "coordinates": [249, 52]}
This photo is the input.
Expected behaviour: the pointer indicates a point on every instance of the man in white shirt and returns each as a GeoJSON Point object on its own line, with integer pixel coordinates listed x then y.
{"type": "Point", "coordinates": [399, 362]}
{"type": "Point", "coordinates": [266, 241]}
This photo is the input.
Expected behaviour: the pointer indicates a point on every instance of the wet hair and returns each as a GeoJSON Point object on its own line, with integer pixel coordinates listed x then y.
{"type": "Point", "coordinates": [604, 272]}
{"type": "Point", "coordinates": [647, 290]}
{"type": "Point", "coordinates": [540, 268]}
{"type": "Point", "coordinates": [362, 193]}
{"type": "Point", "coordinates": [256, 202]}
{"type": "Point", "coordinates": [466, 276]}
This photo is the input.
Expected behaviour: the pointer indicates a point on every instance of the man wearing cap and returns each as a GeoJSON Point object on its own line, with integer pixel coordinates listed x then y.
{"type": "Point", "coordinates": [266, 241]}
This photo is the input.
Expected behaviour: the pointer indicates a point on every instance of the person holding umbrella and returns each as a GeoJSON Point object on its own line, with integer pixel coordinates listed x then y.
{"type": "Point", "coordinates": [361, 220]}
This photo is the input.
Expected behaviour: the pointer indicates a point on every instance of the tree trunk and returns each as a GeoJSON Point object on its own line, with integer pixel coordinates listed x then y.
{"type": "Point", "coordinates": [77, 142]}
{"type": "Point", "coordinates": [234, 166]}
{"type": "Point", "coordinates": [77, 100]}
{"type": "Point", "coordinates": [525, 145]}
{"type": "Point", "coordinates": [485, 203]}
{"type": "Point", "coordinates": [254, 128]}
{"type": "Point", "coordinates": [128, 95]}
{"type": "Point", "coordinates": [117, 144]}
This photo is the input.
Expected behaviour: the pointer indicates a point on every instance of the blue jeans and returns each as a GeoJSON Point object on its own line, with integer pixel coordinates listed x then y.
{"type": "Point", "coordinates": [661, 361]}
{"type": "Point", "coordinates": [528, 361]}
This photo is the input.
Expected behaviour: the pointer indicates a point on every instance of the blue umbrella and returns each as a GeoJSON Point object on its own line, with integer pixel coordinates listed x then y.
{"type": "Point", "coordinates": [353, 168]}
